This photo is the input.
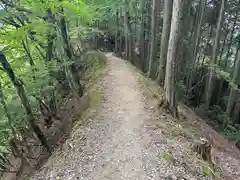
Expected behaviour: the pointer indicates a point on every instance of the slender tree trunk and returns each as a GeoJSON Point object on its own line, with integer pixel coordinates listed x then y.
{"type": "Point", "coordinates": [221, 80]}
{"type": "Point", "coordinates": [117, 38]}
{"type": "Point", "coordinates": [231, 39]}
{"type": "Point", "coordinates": [153, 54]}
{"type": "Point", "coordinates": [28, 52]}
{"type": "Point", "coordinates": [172, 57]}
{"type": "Point", "coordinates": [130, 38]}
{"type": "Point", "coordinates": [67, 48]}
{"type": "Point", "coordinates": [205, 49]}
{"type": "Point", "coordinates": [24, 100]}
{"type": "Point", "coordinates": [148, 33]}
{"type": "Point", "coordinates": [223, 48]}
{"type": "Point", "coordinates": [141, 37]}
{"type": "Point", "coordinates": [210, 80]}
{"type": "Point", "coordinates": [165, 39]}
{"type": "Point", "coordinates": [126, 32]}
{"type": "Point", "coordinates": [121, 31]}
{"type": "Point", "coordinates": [196, 44]}
{"type": "Point", "coordinates": [232, 92]}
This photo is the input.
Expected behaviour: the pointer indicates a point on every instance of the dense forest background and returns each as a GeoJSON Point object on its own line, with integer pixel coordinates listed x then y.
{"type": "Point", "coordinates": [190, 47]}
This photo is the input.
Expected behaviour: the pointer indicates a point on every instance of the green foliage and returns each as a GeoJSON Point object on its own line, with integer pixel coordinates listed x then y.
{"type": "Point", "coordinates": [167, 156]}
{"type": "Point", "coordinates": [181, 88]}
{"type": "Point", "coordinates": [232, 132]}
{"type": "Point", "coordinates": [216, 117]}
{"type": "Point", "coordinates": [215, 114]}
{"type": "Point", "coordinates": [26, 23]}
{"type": "Point", "coordinates": [207, 170]}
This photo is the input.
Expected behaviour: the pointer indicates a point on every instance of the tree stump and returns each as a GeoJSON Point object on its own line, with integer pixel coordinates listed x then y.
{"type": "Point", "coordinates": [203, 147]}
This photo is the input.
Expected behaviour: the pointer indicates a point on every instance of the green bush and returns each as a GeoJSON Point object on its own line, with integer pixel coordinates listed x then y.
{"type": "Point", "coordinates": [217, 116]}
{"type": "Point", "coordinates": [232, 133]}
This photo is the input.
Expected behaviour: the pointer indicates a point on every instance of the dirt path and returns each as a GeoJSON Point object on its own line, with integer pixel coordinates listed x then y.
{"type": "Point", "coordinates": [118, 143]}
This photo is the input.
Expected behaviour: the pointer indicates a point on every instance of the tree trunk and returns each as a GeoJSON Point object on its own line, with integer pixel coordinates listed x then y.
{"type": "Point", "coordinates": [67, 48]}
{"type": "Point", "coordinates": [205, 49]}
{"type": "Point", "coordinates": [117, 38]}
{"type": "Point", "coordinates": [196, 44]}
{"type": "Point", "coordinates": [24, 100]}
{"type": "Point", "coordinates": [148, 34]}
{"type": "Point", "coordinates": [165, 39]}
{"type": "Point", "coordinates": [231, 39]}
{"type": "Point", "coordinates": [172, 57]}
{"type": "Point", "coordinates": [130, 39]}
{"type": "Point", "coordinates": [232, 92]}
{"type": "Point", "coordinates": [224, 66]}
{"type": "Point", "coordinates": [126, 30]}
{"type": "Point", "coordinates": [121, 32]}
{"type": "Point", "coordinates": [141, 37]}
{"type": "Point", "coordinates": [210, 80]}
{"type": "Point", "coordinates": [153, 54]}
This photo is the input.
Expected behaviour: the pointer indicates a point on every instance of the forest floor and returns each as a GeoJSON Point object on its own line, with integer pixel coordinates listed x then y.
{"type": "Point", "coordinates": [128, 137]}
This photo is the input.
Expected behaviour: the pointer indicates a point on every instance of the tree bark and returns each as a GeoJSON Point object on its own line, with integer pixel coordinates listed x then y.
{"type": "Point", "coordinates": [232, 92]}
{"type": "Point", "coordinates": [126, 30]}
{"type": "Point", "coordinates": [67, 48]}
{"type": "Point", "coordinates": [117, 38]}
{"type": "Point", "coordinates": [196, 44]}
{"type": "Point", "coordinates": [231, 39]}
{"type": "Point", "coordinates": [172, 57]}
{"type": "Point", "coordinates": [165, 39]}
{"type": "Point", "coordinates": [205, 48]}
{"type": "Point", "coordinates": [210, 80]}
{"type": "Point", "coordinates": [141, 37]}
{"type": "Point", "coordinates": [153, 55]}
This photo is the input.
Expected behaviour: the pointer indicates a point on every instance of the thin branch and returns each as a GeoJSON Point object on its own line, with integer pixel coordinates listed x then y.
{"type": "Point", "coordinates": [198, 82]}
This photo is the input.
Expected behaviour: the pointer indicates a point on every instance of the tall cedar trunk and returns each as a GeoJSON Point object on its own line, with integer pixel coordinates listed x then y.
{"type": "Point", "coordinates": [210, 80]}
{"type": "Point", "coordinates": [153, 54]}
{"type": "Point", "coordinates": [141, 36]}
{"type": "Point", "coordinates": [205, 48]}
{"type": "Point", "coordinates": [165, 39]}
{"type": "Point", "coordinates": [121, 31]}
{"type": "Point", "coordinates": [231, 40]}
{"type": "Point", "coordinates": [232, 92]}
{"type": "Point", "coordinates": [172, 57]}
{"type": "Point", "coordinates": [148, 32]}
{"type": "Point", "coordinates": [196, 44]}
{"type": "Point", "coordinates": [117, 38]}
{"type": "Point", "coordinates": [223, 47]}
{"type": "Point", "coordinates": [24, 100]}
{"type": "Point", "coordinates": [130, 39]}
{"type": "Point", "coordinates": [219, 94]}
{"type": "Point", "coordinates": [126, 34]}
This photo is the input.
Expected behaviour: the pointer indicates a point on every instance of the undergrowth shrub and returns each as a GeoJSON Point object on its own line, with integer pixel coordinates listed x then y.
{"type": "Point", "coordinates": [216, 117]}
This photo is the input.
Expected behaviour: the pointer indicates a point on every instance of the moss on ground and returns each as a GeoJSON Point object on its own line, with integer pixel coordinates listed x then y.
{"type": "Point", "coordinates": [96, 70]}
